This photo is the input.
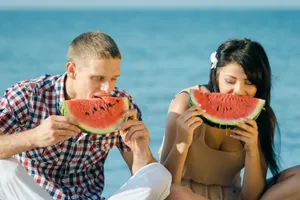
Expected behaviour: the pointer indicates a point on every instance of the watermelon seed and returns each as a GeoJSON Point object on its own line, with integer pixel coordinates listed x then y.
{"type": "Point", "coordinates": [228, 108]}
{"type": "Point", "coordinates": [117, 101]}
{"type": "Point", "coordinates": [95, 109]}
{"type": "Point", "coordinates": [110, 105]}
{"type": "Point", "coordinates": [102, 108]}
{"type": "Point", "coordinates": [86, 113]}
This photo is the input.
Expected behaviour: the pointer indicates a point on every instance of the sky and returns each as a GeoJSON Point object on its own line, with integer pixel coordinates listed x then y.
{"type": "Point", "coordinates": [150, 3]}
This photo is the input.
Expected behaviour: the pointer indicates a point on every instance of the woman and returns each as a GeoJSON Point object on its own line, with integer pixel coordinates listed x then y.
{"type": "Point", "coordinates": [206, 162]}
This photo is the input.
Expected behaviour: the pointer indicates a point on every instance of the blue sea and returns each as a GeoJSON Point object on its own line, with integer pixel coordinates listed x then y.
{"type": "Point", "coordinates": [163, 52]}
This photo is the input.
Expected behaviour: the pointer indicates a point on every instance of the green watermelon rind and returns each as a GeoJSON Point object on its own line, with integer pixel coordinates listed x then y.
{"type": "Point", "coordinates": [226, 124]}
{"type": "Point", "coordinates": [64, 111]}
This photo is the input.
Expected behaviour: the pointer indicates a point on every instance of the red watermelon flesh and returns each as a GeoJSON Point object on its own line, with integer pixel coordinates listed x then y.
{"type": "Point", "coordinates": [224, 110]}
{"type": "Point", "coordinates": [98, 115]}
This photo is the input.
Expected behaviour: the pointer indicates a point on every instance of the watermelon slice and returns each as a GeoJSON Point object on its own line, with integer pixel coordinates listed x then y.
{"type": "Point", "coordinates": [98, 115]}
{"type": "Point", "coordinates": [223, 110]}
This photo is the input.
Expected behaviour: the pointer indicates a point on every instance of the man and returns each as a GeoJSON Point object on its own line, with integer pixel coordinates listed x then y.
{"type": "Point", "coordinates": [43, 155]}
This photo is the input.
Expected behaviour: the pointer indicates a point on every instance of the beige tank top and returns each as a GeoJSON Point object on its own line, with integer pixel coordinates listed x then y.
{"type": "Point", "coordinates": [212, 167]}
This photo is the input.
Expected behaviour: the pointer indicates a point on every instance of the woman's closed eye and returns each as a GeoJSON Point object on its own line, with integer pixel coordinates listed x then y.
{"type": "Point", "coordinates": [230, 81]}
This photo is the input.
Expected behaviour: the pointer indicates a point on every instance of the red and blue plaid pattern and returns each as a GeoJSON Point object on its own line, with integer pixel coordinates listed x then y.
{"type": "Point", "coordinates": [71, 169]}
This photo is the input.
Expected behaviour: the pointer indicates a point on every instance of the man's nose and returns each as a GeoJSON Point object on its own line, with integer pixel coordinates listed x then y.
{"type": "Point", "coordinates": [105, 87]}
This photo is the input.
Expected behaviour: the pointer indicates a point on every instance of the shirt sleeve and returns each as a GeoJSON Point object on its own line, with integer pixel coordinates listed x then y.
{"type": "Point", "coordinates": [14, 109]}
{"type": "Point", "coordinates": [120, 144]}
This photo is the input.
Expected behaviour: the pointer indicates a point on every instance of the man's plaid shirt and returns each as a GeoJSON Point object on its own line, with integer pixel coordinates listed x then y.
{"type": "Point", "coordinates": [71, 169]}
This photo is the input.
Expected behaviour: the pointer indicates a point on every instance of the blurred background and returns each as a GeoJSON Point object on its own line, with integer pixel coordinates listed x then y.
{"type": "Point", "coordinates": [165, 46]}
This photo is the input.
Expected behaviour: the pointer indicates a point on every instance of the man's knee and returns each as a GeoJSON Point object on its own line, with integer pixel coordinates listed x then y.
{"type": "Point", "coordinates": [163, 180]}
{"type": "Point", "coordinates": [151, 182]}
{"type": "Point", "coordinates": [8, 169]}
{"type": "Point", "coordinates": [164, 175]}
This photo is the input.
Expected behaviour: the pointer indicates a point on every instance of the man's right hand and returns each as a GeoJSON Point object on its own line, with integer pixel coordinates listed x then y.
{"type": "Point", "coordinates": [53, 130]}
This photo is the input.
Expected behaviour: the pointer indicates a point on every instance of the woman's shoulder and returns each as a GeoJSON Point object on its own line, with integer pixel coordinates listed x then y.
{"type": "Point", "coordinates": [184, 93]}
{"type": "Point", "coordinates": [187, 90]}
{"type": "Point", "coordinates": [180, 101]}
{"type": "Point", "coordinates": [202, 88]}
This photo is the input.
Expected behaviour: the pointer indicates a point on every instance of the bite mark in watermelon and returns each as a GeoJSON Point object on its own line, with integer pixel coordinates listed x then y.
{"type": "Point", "coordinates": [224, 110]}
{"type": "Point", "coordinates": [98, 115]}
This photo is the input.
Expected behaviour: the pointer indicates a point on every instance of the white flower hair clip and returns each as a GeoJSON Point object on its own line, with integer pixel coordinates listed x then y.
{"type": "Point", "coordinates": [214, 60]}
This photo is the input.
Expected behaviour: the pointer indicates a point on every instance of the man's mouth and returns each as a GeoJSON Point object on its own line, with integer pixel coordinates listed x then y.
{"type": "Point", "coordinates": [98, 95]}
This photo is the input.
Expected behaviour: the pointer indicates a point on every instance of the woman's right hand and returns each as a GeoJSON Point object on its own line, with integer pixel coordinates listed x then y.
{"type": "Point", "coordinates": [187, 122]}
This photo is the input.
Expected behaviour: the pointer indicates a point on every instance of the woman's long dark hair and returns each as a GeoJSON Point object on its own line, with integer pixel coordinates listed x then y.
{"type": "Point", "coordinates": [253, 58]}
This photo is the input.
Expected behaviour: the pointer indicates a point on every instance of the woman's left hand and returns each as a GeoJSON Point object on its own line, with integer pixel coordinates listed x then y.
{"type": "Point", "coordinates": [247, 131]}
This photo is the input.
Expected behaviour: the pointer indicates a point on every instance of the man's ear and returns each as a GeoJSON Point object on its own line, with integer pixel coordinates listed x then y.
{"type": "Point", "coordinates": [71, 70]}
